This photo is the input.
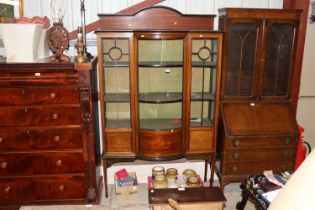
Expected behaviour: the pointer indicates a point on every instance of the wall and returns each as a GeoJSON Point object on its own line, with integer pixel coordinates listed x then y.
{"type": "Point", "coordinates": [306, 103]}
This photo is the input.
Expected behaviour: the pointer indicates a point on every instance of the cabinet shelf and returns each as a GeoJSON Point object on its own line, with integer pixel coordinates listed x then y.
{"type": "Point", "coordinates": [200, 122]}
{"type": "Point", "coordinates": [116, 97]}
{"type": "Point", "coordinates": [160, 124]}
{"type": "Point", "coordinates": [198, 97]}
{"type": "Point", "coordinates": [116, 64]}
{"type": "Point", "coordinates": [207, 64]}
{"type": "Point", "coordinates": [118, 123]}
{"type": "Point", "coordinates": [158, 64]}
{"type": "Point", "coordinates": [160, 97]}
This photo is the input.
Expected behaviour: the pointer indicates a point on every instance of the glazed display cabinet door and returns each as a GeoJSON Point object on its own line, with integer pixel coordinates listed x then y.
{"type": "Point", "coordinates": [116, 101]}
{"type": "Point", "coordinates": [204, 65]}
{"type": "Point", "coordinates": [160, 93]}
{"type": "Point", "coordinates": [279, 57]}
{"type": "Point", "coordinates": [241, 55]}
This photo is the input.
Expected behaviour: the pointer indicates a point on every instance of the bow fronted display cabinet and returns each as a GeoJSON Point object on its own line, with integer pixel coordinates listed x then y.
{"type": "Point", "coordinates": [159, 74]}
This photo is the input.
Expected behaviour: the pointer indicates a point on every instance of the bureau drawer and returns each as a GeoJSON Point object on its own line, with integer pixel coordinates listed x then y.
{"type": "Point", "coordinates": [254, 167]}
{"type": "Point", "coordinates": [19, 139]}
{"type": "Point", "coordinates": [260, 141]}
{"type": "Point", "coordinates": [55, 163]}
{"type": "Point", "coordinates": [61, 188]}
{"type": "Point", "coordinates": [260, 154]}
{"type": "Point", "coordinates": [118, 142]}
{"type": "Point", "coordinates": [39, 77]}
{"type": "Point", "coordinates": [15, 164]}
{"type": "Point", "coordinates": [32, 116]}
{"type": "Point", "coordinates": [13, 191]}
{"type": "Point", "coordinates": [39, 95]}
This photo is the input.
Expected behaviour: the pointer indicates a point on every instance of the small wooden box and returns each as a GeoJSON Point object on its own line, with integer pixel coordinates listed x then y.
{"type": "Point", "coordinates": [189, 199]}
{"type": "Point", "coordinates": [127, 192]}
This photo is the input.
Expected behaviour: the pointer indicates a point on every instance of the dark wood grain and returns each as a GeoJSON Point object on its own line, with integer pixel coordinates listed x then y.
{"type": "Point", "coordinates": [189, 195]}
{"type": "Point", "coordinates": [304, 6]}
{"type": "Point", "coordinates": [156, 18]}
{"type": "Point", "coordinates": [40, 138]}
{"type": "Point", "coordinates": [46, 133]}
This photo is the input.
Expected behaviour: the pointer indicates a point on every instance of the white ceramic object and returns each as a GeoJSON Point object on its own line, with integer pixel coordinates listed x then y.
{"type": "Point", "coordinates": [23, 42]}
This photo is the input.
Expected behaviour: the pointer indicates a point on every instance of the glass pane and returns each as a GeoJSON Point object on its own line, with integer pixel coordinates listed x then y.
{"type": "Point", "coordinates": [201, 113]}
{"type": "Point", "coordinates": [160, 116]}
{"type": "Point", "coordinates": [203, 81]}
{"type": "Point", "coordinates": [160, 75]}
{"type": "Point", "coordinates": [280, 43]}
{"type": "Point", "coordinates": [116, 69]}
{"type": "Point", "coordinates": [242, 39]}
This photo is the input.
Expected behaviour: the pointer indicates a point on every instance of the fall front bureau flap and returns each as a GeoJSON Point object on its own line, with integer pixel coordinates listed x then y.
{"type": "Point", "coordinates": [243, 119]}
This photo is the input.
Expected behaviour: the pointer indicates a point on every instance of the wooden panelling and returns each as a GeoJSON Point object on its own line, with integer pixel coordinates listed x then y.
{"type": "Point", "coordinates": [154, 144]}
{"type": "Point", "coordinates": [201, 140]}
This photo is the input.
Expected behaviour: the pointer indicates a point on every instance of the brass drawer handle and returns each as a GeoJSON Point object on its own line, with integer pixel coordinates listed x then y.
{"type": "Point", "coordinates": [7, 189]}
{"type": "Point", "coordinates": [61, 188]}
{"type": "Point", "coordinates": [236, 155]}
{"type": "Point", "coordinates": [1, 140]}
{"type": "Point", "coordinates": [287, 141]}
{"type": "Point", "coordinates": [234, 168]}
{"type": "Point", "coordinates": [25, 110]}
{"type": "Point", "coordinates": [27, 132]}
{"type": "Point", "coordinates": [55, 116]}
{"type": "Point", "coordinates": [4, 165]}
{"type": "Point", "coordinates": [59, 162]}
{"type": "Point", "coordinates": [237, 143]}
{"type": "Point", "coordinates": [52, 95]}
{"type": "Point", "coordinates": [56, 139]}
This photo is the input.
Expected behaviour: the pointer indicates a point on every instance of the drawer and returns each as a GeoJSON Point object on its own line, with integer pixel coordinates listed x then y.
{"type": "Point", "coordinates": [61, 188]}
{"type": "Point", "coordinates": [260, 154]}
{"type": "Point", "coordinates": [19, 139]}
{"type": "Point", "coordinates": [118, 141]}
{"type": "Point", "coordinates": [39, 77]}
{"type": "Point", "coordinates": [260, 141]}
{"type": "Point", "coordinates": [57, 162]}
{"type": "Point", "coordinates": [32, 116]}
{"type": "Point", "coordinates": [13, 191]}
{"type": "Point", "coordinates": [201, 140]}
{"type": "Point", "coordinates": [15, 164]}
{"type": "Point", "coordinates": [39, 95]}
{"type": "Point", "coordinates": [253, 167]}
{"type": "Point", "coordinates": [155, 144]}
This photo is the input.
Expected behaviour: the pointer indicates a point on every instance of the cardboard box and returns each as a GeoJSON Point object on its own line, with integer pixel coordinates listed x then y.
{"type": "Point", "coordinates": [127, 192]}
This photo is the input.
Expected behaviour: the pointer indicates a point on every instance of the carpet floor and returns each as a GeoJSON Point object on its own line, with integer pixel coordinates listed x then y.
{"type": "Point", "coordinates": [232, 193]}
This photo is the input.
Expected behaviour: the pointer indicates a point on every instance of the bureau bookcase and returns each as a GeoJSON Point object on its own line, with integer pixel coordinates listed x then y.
{"type": "Point", "coordinates": [258, 127]}
{"type": "Point", "coordinates": [159, 74]}
{"type": "Point", "coordinates": [46, 133]}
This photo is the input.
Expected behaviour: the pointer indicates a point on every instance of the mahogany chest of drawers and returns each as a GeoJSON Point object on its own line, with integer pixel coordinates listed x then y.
{"type": "Point", "coordinates": [46, 133]}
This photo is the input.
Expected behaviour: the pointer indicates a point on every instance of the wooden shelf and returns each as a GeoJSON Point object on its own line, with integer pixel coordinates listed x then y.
{"type": "Point", "coordinates": [198, 97]}
{"type": "Point", "coordinates": [159, 64]}
{"type": "Point", "coordinates": [116, 64]}
{"type": "Point", "coordinates": [117, 98]}
{"type": "Point", "coordinates": [160, 124]}
{"type": "Point", "coordinates": [205, 122]}
{"type": "Point", "coordinates": [160, 97]}
{"type": "Point", "coordinates": [118, 123]}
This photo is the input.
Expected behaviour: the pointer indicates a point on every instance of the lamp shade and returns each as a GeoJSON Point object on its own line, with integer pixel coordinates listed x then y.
{"type": "Point", "coordinates": [298, 193]}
